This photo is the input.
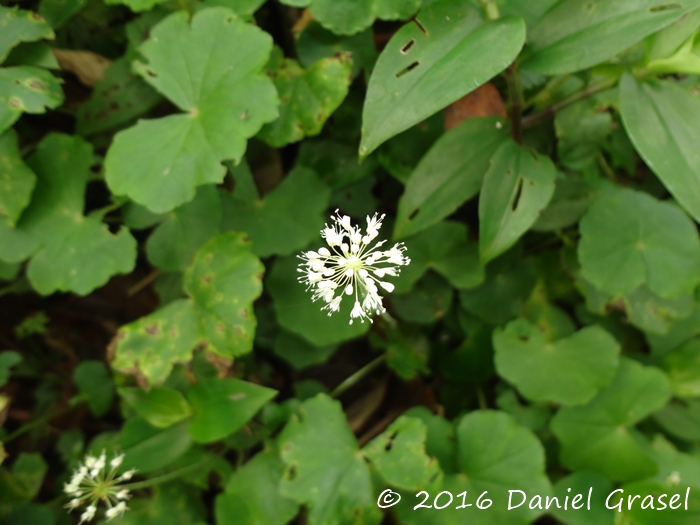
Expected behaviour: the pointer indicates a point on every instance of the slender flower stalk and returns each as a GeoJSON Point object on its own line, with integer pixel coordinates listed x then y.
{"type": "Point", "coordinates": [353, 266]}
{"type": "Point", "coordinates": [95, 480]}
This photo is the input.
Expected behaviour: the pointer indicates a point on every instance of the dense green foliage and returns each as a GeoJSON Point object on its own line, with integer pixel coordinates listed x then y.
{"type": "Point", "coordinates": [163, 163]}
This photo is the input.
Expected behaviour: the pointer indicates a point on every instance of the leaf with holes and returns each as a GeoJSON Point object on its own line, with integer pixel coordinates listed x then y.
{"type": "Point", "coordinates": [286, 220]}
{"type": "Point", "coordinates": [518, 185]}
{"type": "Point", "coordinates": [399, 455]}
{"type": "Point", "coordinates": [20, 26]}
{"type": "Point", "coordinates": [600, 435]}
{"type": "Point", "coordinates": [576, 34]}
{"type": "Point", "coordinates": [71, 252]}
{"type": "Point", "coordinates": [569, 371]}
{"type": "Point", "coordinates": [307, 97]}
{"type": "Point", "coordinates": [226, 97]}
{"type": "Point", "coordinates": [222, 406]}
{"type": "Point", "coordinates": [251, 496]}
{"type": "Point", "coordinates": [174, 242]}
{"type": "Point", "coordinates": [415, 75]}
{"type": "Point", "coordinates": [628, 238]}
{"type": "Point", "coordinates": [26, 89]}
{"type": "Point", "coordinates": [16, 179]}
{"type": "Point", "coordinates": [222, 282]}
{"type": "Point", "coordinates": [324, 468]}
{"type": "Point", "coordinates": [444, 248]}
{"type": "Point", "coordinates": [661, 119]}
{"type": "Point", "coordinates": [448, 175]}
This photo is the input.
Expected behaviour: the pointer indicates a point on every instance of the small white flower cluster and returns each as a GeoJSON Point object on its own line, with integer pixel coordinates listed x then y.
{"type": "Point", "coordinates": [93, 482]}
{"type": "Point", "coordinates": [352, 266]}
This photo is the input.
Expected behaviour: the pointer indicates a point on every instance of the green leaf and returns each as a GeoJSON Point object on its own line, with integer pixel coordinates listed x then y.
{"type": "Point", "coordinates": [28, 471]}
{"type": "Point", "coordinates": [118, 98]}
{"type": "Point", "coordinates": [26, 89]}
{"type": "Point", "coordinates": [658, 117]}
{"type": "Point", "coordinates": [16, 178]}
{"type": "Point", "coordinates": [494, 454]}
{"type": "Point", "coordinates": [500, 298]}
{"type": "Point", "coordinates": [681, 420]}
{"type": "Point", "coordinates": [324, 468]}
{"type": "Point", "coordinates": [240, 7]}
{"type": "Point", "coordinates": [161, 407]}
{"type": "Point", "coordinates": [572, 197]}
{"type": "Point", "coordinates": [581, 482]}
{"type": "Point", "coordinates": [576, 34]}
{"type": "Point", "coordinates": [599, 435]}
{"type": "Point", "coordinates": [682, 367]}
{"type": "Point", "coordinates": [174, 242]}
{"type": "Point", "coordinates": [428, 301]}
{"type": "Point", "coordinates": [252, 496]}
{"type": "Point", "coordinates": [315, 43]}
{"type": "Point", "coordinates": [286, 220]}
{"type": "Point", "coordinates": [416, 70]}
{"type": "Point", "coordinates": [569, 371]}
{"type": "Point", "coordinates": [517, 186]}
{"type": "Point", "coordinates": [407, 350]}
{"type": "Point", "coordinates": [175, 503]}
{"type": "Point", "coordinates": [448, 175]}
{"type": "Point", "coordinates": [307, 97]}
{"type": "Point", "coordinates": [298, 314]}
{"type": "Point", "coordinates": [95, 384]}
{"type": "Point", "coordinates": [399, 455]}
{"type": "Point", "coordinates": [222, 406]}
{"type": "Point", "coordinates": [20, 26]}
{"type": "Point", "coordinates": [533, 416]}
{"type": "Point", "coordinates": [440, 441]}
{"type": "Point", "coordinates": [54, 220]}
{"type": "Point", "coordinates": [226, 97]}
{"type": "Point", "coordinates": [628, 239]}
{"type": "Point", "coordinates": [137, 6]}
{"type": "Point", "coordinates": [58, 12]}
{"type": "Point", "coordinates": [335, 162]}
{"type": "Point", "coordinates": [8, 359]}
{"type": "Point", "coordinates": [148, 448]}
{"type": "Point", "coordinates": [444, 248]}
{"type": "Point", "coordinates": [37, 54]}
{"type": "Point", "coordinates": [299, 352]}
{"type": "Point", "coordinates": [222, 282]}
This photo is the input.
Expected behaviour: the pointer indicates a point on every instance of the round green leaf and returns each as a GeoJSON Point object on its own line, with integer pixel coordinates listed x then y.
{"type": "Point", "coordinates": [681, 420]}
{"type": "Point", "coordinates": [399, 455]}
{"type": "Point", "coordinates": [16, 178]}
{"type": "Point", "coordinates": [448, 175]}
{"type": "Point", "coordinates": [599, 436]}
{"type": "Point", "coordinates": [8, 359]}
{"type": "Point", "coordinates": [162, 407]}
{"type": "Point", "coordinates": [628, 239]}
{"type": "Point", "coordinates": [576, 34]}
{"type": "Point", "coordinates": [298, 314]}
{"type": "Point", "coordinates": [581, 482]}
{"type": "Point", "coordinates": [569, 371]}
{"type": "Point", "coordinates": [148, 448]}
{"type": "Point", "coordinates": [267, 221]}
{"type": "Point", "coordinates": [159, 163]}
{"type": "Point", "coordinates": [415, 74]}
{"type": "Point", "coordinates": [517, 186]}
{"type": "Point", "coordinates": [222, 406]}
{"type": "Point", "coordinates": [95, 384]}
{"type": "Point", "coordinates": [660, 118]}
{"type": "Point", "coordinates": [323, 466]}
{"type": "Point", "coordinates": [299, 352]}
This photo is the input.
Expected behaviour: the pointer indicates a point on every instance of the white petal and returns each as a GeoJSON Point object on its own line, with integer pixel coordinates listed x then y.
{"type": "Point", "coordinates": [348, 289]}
{"type": "Point", "coordinates": [387, 286]}
{"type": "Point", "coordinates": [325, 252]}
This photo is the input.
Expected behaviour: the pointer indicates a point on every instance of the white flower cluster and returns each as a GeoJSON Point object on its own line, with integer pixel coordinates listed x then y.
{"type": "Point", "coordinates": [93, 482]}
{"type": "Point", "coordinates": [352, 267]}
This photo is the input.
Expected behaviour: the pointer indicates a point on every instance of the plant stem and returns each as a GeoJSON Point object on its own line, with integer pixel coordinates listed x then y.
{"type": "Point", "coordinates": [533, 120]}
{"type": "Point", "coordinates": [515, 93]}
{"type": "Point", "coordinates": [358, 376]}
{"type": "Point", "coordinates": [168, 477]}
{"type": "Point", "coordinates": [491, 9]}
{"type": "Point", "coordinates": [40, 421]}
